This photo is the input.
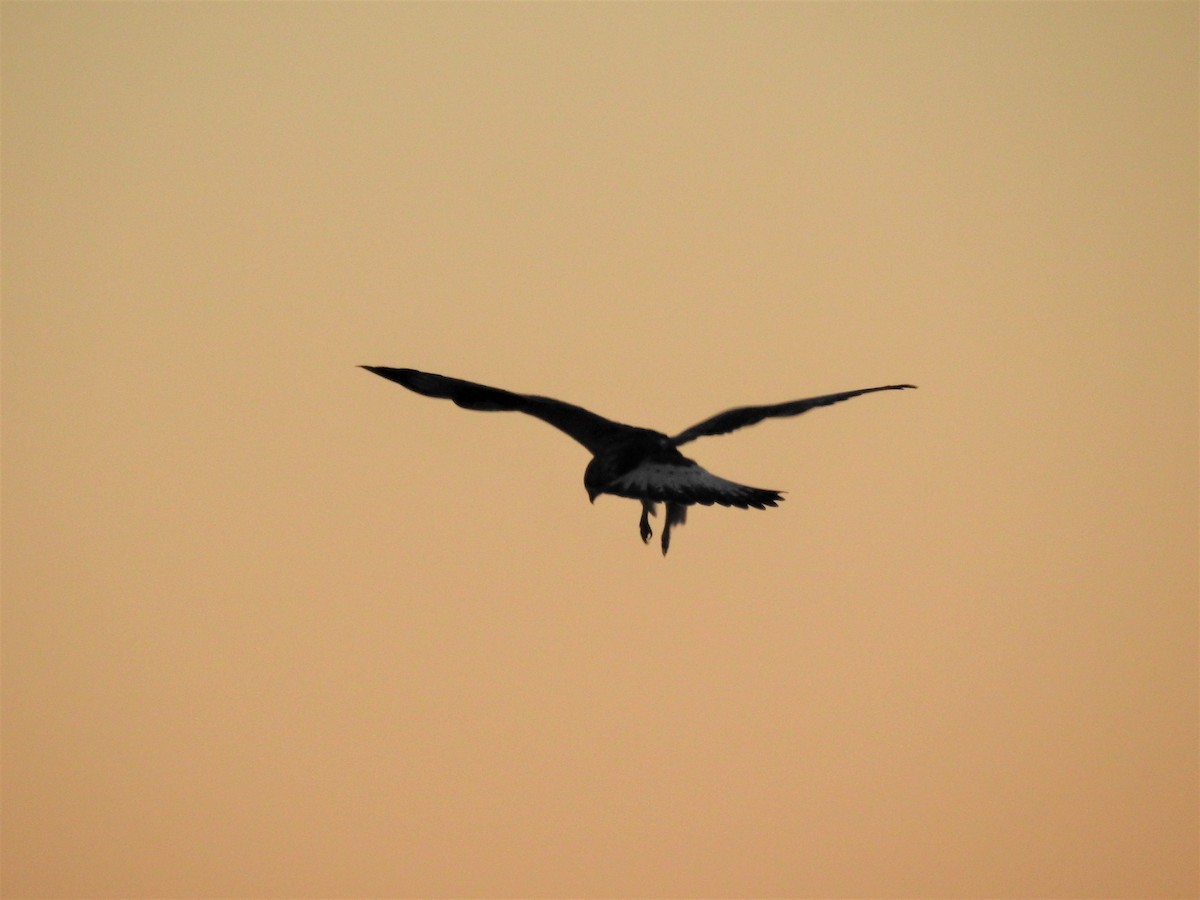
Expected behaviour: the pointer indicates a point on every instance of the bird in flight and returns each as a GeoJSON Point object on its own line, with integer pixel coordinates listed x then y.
{"type": "Point", "coordinates": [628, 461]}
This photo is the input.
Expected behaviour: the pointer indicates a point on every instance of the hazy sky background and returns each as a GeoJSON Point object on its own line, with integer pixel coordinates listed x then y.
{"type": "Point", "coordinates": [274, 627]}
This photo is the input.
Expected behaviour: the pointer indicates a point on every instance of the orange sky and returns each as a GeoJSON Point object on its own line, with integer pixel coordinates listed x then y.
{"type": "Point", "coordinates": [274, 627]}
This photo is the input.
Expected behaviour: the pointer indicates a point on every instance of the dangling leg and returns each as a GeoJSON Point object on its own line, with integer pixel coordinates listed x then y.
{"type": "Point", "coordinates": [648, 509]}
{"type": "Point", "coordinates": [676, 515]}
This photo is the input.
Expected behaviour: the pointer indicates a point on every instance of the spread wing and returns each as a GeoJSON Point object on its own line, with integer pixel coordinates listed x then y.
{"type": "Point", "coordinates": [593, 431]}
{"type": "Point", "coordinates": [686, 482]}
{"type": "Point", "coordinates": [733, 419]}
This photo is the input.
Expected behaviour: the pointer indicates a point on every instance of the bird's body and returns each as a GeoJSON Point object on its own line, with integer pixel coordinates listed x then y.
{"type": "Point", "coordinates": [627, 461]}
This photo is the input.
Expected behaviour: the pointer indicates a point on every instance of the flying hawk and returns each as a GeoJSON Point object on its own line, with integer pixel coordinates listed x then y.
{"type": "Point", "coordinates": [627, 461]}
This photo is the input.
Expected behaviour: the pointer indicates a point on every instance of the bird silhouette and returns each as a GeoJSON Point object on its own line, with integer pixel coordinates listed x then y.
{"type": "Point", "coordinates": [627, 461]}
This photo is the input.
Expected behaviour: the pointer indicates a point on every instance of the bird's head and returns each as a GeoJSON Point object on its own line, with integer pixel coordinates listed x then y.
{"type": "Point", "coordinates": [597, 477]}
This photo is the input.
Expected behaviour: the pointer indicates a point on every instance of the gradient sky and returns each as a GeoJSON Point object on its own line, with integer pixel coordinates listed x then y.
{"type": "Point", "coordinates": [274, 627]}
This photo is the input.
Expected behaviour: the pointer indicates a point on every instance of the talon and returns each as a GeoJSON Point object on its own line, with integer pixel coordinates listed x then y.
{"type": "Point", "coordinates": [644, 524]}
{"type": "Point", "coordinates": [676, 515]}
